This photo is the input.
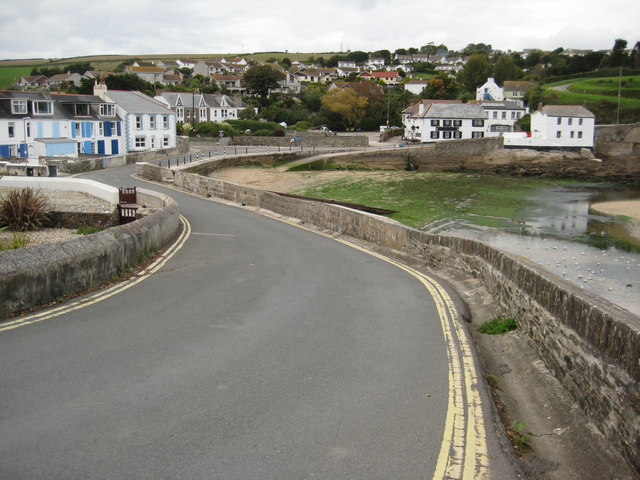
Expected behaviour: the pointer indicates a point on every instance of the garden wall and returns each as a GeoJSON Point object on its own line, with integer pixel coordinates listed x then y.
{"type": "Point", "coordinates": [590, 345]}
{"type": "Point", "coordinates": [37, 274]}
{"type": "Point", "coordinates": [618, 141]}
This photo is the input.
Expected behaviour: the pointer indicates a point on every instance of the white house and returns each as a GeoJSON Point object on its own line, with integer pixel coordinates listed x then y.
{"type": "Point", "coordinates": [34, 125]}
{"type": "Point", "coordinates": [346, 64]}
{"type": "Point", "coordinates": [490, 91]}
{"type": "Point", "coordinates": [147, 123]}
{"type": "Point", "coordinates": [442, 120]}
{"type": "Point", "coordinates": [202, 107]}
{"type": "Point", "coordinates": [375, 64]}
{"type": "Point", "coordinates": [557, 126]}
{"type": "Point", "coordinates": [415, 86]}
{"type": "Point", "coordinates": [502, 116]}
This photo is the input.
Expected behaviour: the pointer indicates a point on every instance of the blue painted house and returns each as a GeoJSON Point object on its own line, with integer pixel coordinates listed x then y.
{"type": "Point", "coordinates": [37, 124]}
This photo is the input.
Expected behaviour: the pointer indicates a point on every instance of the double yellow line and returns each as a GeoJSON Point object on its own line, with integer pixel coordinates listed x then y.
{"type": "Point", "coordinates": [109, 292]}
{"type": "Point", "coordinates": [463, 452]}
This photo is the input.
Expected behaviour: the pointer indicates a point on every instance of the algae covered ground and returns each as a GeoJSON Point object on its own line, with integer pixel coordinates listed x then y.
{"type": "Point", "coordinates": [420, 198]}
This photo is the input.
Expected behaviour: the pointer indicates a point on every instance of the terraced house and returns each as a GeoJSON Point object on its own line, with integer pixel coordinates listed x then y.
{"type": "Point", "coordinates": [35, 124]}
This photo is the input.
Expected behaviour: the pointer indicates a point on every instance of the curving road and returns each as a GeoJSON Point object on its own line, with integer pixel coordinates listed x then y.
{"type": "Point", "coordinates": [259, 350]}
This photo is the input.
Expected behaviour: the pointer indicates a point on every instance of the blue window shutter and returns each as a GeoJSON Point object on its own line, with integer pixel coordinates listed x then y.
{"type": "Point", "coordinates": [40, 129]}
{"type": "Point", "coordinates": [87, 147]}
{"type": "Point", "coordinates": [119, 130]}
{"type": "Point", "coordinates": [101, 147]}
{"type": "Point", "coordinates": [114, 146]}
{"type": "Point", "coordinates": [86, 129]}
{"type": "Point", "coordinates": [73, 129]}
{"type": "Point", "coordinates": [4, 150]}
{"type": "Point", "coordinates": [107, 129]}
{"type": "Point", "coordinates": [23, 150]}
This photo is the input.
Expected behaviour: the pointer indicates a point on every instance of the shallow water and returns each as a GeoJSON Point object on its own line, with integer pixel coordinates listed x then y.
{"type": "Point", "coordinates": [556, 231]}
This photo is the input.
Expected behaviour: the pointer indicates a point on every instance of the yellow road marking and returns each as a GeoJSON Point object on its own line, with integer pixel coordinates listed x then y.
{"type": "Point", "coordinates": [109, 292]}
{"type": "Point", "coordinates": [463, 452]}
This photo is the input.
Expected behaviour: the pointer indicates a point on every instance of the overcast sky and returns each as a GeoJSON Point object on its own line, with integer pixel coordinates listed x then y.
{"type": "Point", "coordinates": [54, 28]}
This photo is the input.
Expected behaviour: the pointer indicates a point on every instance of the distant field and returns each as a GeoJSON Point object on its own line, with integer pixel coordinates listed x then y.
{"type": "Point", "coordinates": [598, 89]}
{"type": "Point", "coordinates": [8, 75]}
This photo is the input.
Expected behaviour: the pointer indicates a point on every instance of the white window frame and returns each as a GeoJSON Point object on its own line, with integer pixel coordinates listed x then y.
{"type": "Point", "coordinates": [41, 103]}
{"type": "Point", "coordinates": [165, 141]}
{"type": "Point", "coordinates": [165, 122]}
{"type": "Point", "coordinates": [19, 107]}
{"type": "Point", "coordinates": [11, 129]}
{"type": "Point", "coordinates": [141, 142]}
{"type": "Point", "coordinates": [101, 129]}
{"type": "Point", "coordinates": [139, 122]}
{"type": "Point", "coordinates": [107, 110]}
{"type": "Point", "coordinates": [152, 122]}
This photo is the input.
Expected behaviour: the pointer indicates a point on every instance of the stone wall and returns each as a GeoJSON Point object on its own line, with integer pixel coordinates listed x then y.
{"type": "Point", "coordinates": [37, 274]}
{"type": "Point", "coordinates": [306, 140]}
{"type": "Point", "coordinates": [591, 345]}
{"type": "Point", "coordinates": [618, 141]}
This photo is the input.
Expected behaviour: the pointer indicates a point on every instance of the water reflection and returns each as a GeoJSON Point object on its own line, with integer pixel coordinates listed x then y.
{"type": "Point", "coordinates": [557, 232]}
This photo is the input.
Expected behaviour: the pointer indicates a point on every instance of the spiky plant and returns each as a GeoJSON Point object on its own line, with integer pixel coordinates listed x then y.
{"type": "Point", "coordinates": [23, 209]}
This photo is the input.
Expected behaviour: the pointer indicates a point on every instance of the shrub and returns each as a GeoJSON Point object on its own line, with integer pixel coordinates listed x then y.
{"type": "Point", "coordinates": [24, 209]}
{"type": "Point", "coordinates": [497, 326]}
{"type": "Point", "coordinates": [263, 133]}
{"type": "Point", "coordinates": [18, 240]}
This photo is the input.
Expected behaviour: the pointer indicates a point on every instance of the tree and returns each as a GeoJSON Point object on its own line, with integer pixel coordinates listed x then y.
{"type": "Point", "coordinates": [429, 49]}
{"type": "Point", "coordinates": [505, 69]}
{"type": "Point", "coordinates": [475, 72]}
{"type": "Point", "coordinates": [386, 54]}
{"type": "Point", "coordinates": [286, 63]}
{"type": "Point", "coordinates": [477, 48]}
{"type": "Point", "coordinates": [358, 57]}
{"type": "Point", "coordinates": [441, 87]}
{"type": "Point", "coordinates": [262, 78]}
{"type": "Point", "coordinates": [127, 81]}
{"type": "Point", "coordinates": [346, 103]}
{"type": "Point", "coordinates": [619, 57]}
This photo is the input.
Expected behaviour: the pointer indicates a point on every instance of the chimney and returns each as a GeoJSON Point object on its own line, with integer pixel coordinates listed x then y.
{"type": "Point", "coordinates": [540, 107]}
{"type": "Point", "coordinates": [100, 89]}
{"type": "Point", "coordinates": [421, 108]}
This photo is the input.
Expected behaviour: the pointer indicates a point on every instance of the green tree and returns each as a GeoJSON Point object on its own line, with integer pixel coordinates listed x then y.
{"type": "Point", "coordinates": [475, 72]}
{"type": "Point", "coordinates": [534, 96]}
{"type": "Point", "coordinates": [505, 69]}
{"type": "Point", "coordinates": [386, 54]}
{"type": "Point", "coordinates": [619, 57]}
{"type": "Point", "coordinates": [286, 63]}
{"type": "Point", "coordinates": [358, 57]}
{"type": "Point", "coordinates": [477, 48]}
{"type": "Point", "coordinates": [262, 78]}
{"type": "Point", "coordinates": [127, 81]}
{"type": "Point", "coordinates": [346, 103]}
{"type": "Point", "coordinates": [441, 87]}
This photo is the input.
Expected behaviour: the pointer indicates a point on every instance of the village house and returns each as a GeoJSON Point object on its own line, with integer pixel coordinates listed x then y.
{"type": "Point", "coordinates": [556, 126]}
{"type": "Point", "coordinates": [35, 124]}
{"type": "Point", "coordinates": [388, 78]}
{"type": "Point", "coordinates": [32, 81]}
{"type": "Point", "coordinates": [502, 116]}
{"type": "Point", "coordinates": [198, 107]}
{"type": "Point", "coordinates": [229, 83]}
{"type": "Point", "coordinates": [442, 120]}
{"type": "Point", "coordinates": [68, 78]}
{"type": "Point", "coordinates": [490, 90]}
{"type": "Point", "coordinates": [147, 123]}
{"type": "Point", "coordinates": [515, 90]}
{"type": "Point", "coordinates": [415, 85]}
{"type": "Point", "coordinates": [374, 64]}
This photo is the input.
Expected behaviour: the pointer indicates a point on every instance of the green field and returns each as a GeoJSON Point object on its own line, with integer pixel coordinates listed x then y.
{"type": "Point", "coordinates": [8, 75]}
{"type": "Point", "coordinates": [597, 90]}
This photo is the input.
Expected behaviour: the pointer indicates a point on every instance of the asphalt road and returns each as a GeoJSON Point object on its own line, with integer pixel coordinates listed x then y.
{"type": "Point", "coordinates": [258, 351]}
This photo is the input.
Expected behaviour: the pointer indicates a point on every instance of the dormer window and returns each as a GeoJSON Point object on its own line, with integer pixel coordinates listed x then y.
{"type": "Point", "coordinates": [82, 109]}
{"type": "Point", "coordinates": [107, 110]}
{"type": "Point", "coordinates": [42, 108]}
{"type": "Point", "coordinates": [19, 107]}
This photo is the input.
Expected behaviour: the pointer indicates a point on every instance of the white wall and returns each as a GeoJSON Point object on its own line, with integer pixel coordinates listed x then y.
{"type": "Point", "coordinates": [91, 187]}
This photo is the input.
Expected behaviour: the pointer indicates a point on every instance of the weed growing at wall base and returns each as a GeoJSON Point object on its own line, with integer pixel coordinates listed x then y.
{"type": "Point", "coordinates": [497, 326]}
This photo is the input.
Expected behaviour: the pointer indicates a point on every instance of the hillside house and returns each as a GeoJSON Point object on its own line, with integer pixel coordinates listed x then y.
{"type": "Point", "coordinates": [388, 78]}
{"type": "Point", "coordinates": [199, 107]}
{"type": "Point", "coordinates": [502, 116]}
{"type": "Point", "coordinates": [415, 85]}
{"type": "Point", "coordinates": [32, 81]}
{"type": "Point", "coordinates": [490, 90]}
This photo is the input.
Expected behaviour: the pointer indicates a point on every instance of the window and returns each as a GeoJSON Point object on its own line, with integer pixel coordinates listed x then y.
{"type": "Point", "coordinates": [82, 109]}
{"type": "Point", "coordinates": [100, 129]}
{"type": "Point", "coordinates": [446, 123]}
{"type": "Point", "coordinates": [203, 114]}
{"type": "Point", "coordinates": [457, 134]}
{"type": "Point", "coordinates": [504, 115]}
{"type": "Point", "coordinates": [579, 121]}
{"type": "Point", "coordinates": [78, 127]}
{"type": "Point", "coordinates": [19, 107]}
{"type": "Point", "coordinates": [180, 113]}
{"type": "Point", "coordinates": [42, 108]}
{"type": "Point", "coordinates": [579, 134]}
{"type": "Point", "coordinates": [514, 115]}
{"type": "Point", "coordinates": [107, 110]}
{"type": "Point", "coordinates": [477, 134]}
{"type": "Point", "coordinates": [569, 121]}
{"type": "Point", "coordinates": [446, 134]}
{"type": "Point", "coordinates": [435, 134]}
{"type": "Point", "coordinates": [558, 134]}
{"type": "Point", "coordinates": [28, 124]}
{"type": "Point", "coordinates": [495, 114]}
{"type": "Point", "coordinates": [13, 151]}
{"type": "Point", "coordinates": [477, 122]}
{"type": "Point", "coordinates": [559, 121]}
{"type": "Point", "coordinates": [165, 122]}
{"type": "Point", "coordinates": [138, 122]}
{"type": "Point", "coordinates": [141, 142]}
{"type": "Point", "coordinates": [165, 141]}
{"type": "Point", "coordinates": [435, 123]}
{"type": "Point", "coordinates": [152, 122]}
{"type": "Point", "coordinates": [571, 134]}
{"type": "Point", "coordinates": [12, 129]}
{"type": "Point", "coordinates": [457, 123]}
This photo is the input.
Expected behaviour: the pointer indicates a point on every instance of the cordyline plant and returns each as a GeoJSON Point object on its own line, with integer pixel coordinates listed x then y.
{"type": "Point", "coordinates": [23, 209]}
